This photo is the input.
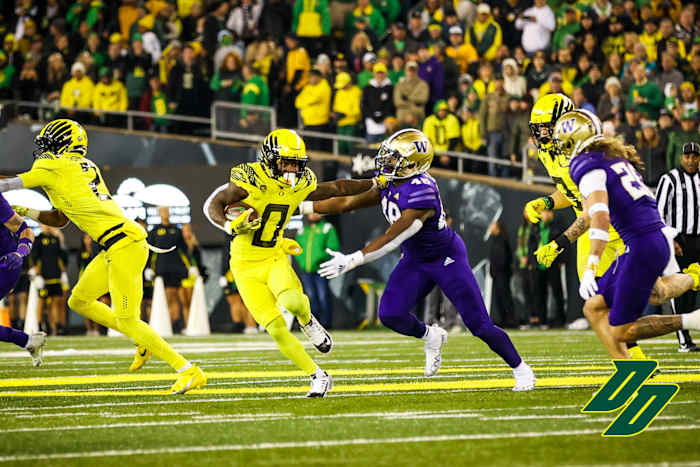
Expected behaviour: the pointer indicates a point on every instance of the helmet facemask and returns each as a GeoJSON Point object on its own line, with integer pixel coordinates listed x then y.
{"type": "Point", "coordinates": [542, 133]}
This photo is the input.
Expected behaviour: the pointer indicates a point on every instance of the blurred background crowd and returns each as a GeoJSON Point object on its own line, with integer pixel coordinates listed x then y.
{"type": "Point", "coordinates": [466, 73]}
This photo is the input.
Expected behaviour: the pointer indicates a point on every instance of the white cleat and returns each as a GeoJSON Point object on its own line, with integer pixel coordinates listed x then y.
{"type": "Point", "coordinates": [524, 377]}
{"type": "Point", "coordinates": [35, 347]}
{"type": "Point", "coordinates": [250, 330]}
{"type": "Point", "coordinates": [321, 383]}
{"type": "Point", "coordinates": [435, 338]}
{"type": "Point", "coordinates": [318, 335]}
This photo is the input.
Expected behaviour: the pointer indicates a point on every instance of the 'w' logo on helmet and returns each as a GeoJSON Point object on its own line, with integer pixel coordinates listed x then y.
{"type": "Point", "coordinates": [421, 146]}
{"type": "Point", "coordinates": [568, 125]}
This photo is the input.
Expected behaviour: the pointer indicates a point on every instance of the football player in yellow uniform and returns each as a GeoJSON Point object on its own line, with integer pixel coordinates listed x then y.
{"type": "Point", "coordinates": [543, 117]}
{"type": "Point", "coordinates": [274, 188]}
{"type": "Point", "coordinates": [75, 187]}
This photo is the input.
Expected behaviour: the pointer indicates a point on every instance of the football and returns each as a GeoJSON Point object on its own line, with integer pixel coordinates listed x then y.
{"type": "Point", "coordinates": [234, 210]}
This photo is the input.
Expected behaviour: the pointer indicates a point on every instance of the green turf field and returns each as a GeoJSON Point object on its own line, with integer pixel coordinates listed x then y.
{"type": "Point", "coordinates": [83, 408]}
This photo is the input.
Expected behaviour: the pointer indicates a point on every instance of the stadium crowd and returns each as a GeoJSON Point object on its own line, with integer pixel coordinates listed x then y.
{"type": "Point", "coordinates": [465, 73]}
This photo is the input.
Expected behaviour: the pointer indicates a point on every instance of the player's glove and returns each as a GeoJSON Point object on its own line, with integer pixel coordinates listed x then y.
{"type": "Point", "coordinates": [380, 181]}
{"type": "Point", "coordinates": [534, 208]}
{"type": "Point", "coordinates": [149, 274]}
{"type": "Point", "coordinates": [26, 212]}
{"type": "Point", "coordinates": [548, 253]}
{"type": "Point", "coordinates": [193, 271]}
{"type": "Point", "coordinates": [340, 263]}
{"type": "Point", "coordinates": [64, 279]}
{"type": "Point", "coordinates": [589, 286]}
{"type": "Point", "coordinates": [242, 224]}
{"type": "Point", "coordinates": [11, 262]}
{"type": "Point", "coordinates": [223, 282]}
{"type": "Point", "coordinates": [291, 247]}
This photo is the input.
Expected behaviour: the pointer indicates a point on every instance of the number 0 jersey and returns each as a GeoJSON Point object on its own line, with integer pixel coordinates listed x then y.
{"type": "Point", "coordinates": [633, 209]}
{"type": "Point", "coordinates": [274, 201]}
{"type": "Point", "coordinates": [559, 172]}
{"type": "Point", "coordinates": [75, 186]}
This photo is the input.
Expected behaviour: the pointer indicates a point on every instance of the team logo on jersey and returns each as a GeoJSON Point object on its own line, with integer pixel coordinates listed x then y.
{"type": "Point", "coordinates": [421, 146]}
{"type": "Point", "coordinates": [626, 388]}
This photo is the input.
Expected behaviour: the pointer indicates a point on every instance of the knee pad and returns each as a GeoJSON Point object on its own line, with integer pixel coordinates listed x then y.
{"type": "Point", "coordinates": [294, 301]}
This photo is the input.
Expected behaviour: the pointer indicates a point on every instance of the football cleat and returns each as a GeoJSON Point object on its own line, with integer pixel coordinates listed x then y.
{"type": "Point", "coordinates": [524, 378]}
{"type": "Point", "coordinates": [435, 339]}
{"type": "Point", "coordinates": [636, 353]}
{"type": "Point", "coordinates": [140, 359]}
{"type": "Point", "coordinates": [321, 383]}
{"type": "Point", "coordinates": [694, 271]}
{"type": "Point", "coordinates": [35, 347]}
{"type": "Point", "coordinates": [191, 378]}
{"type": "Point", "coordinates": [685, 348]}
{"type": "Point", "coordinates": [318, 335]}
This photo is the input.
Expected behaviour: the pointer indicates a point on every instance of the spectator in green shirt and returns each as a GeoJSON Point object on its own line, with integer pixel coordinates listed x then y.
{"type": "Point", "coordinates": [644, 93]}
{"type": "Point", "coordinates": [317, 236]}
{"type": "Point", "coordinates": [159, 105]}
{"type": "Point", "coordinates": [255, 92]}
{"type": "Point", "coordinates": [7, 74]}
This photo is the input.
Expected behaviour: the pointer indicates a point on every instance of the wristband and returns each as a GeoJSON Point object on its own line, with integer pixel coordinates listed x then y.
{"type": "Point", "coordinates": [563, 242]}
{"type": "Point", "coordinates": [599, 234]}
{"type": "Point", "coordinates": [593, 262]}
{"type": "Point", "coordinates": [306, 207]}
{"type": "Point", "coordinates": [24, 247]}
{"type": "Point", "coordinates": [548, 202]}
{"type": "Point", "coordinates": [598, 207]}
{"type": "Point", "coordinates": [22, 227]}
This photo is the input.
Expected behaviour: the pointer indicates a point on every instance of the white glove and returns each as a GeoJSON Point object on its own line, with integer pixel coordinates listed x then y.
{"type": "Point", "coordinates": [589, 286]}
{"type": "Point", "coordinates": [340, 263]}
{"type": "Point", "coordinates": [193, 271]}
{"type": "Point", "coordinates": [31, 273]}
{"type": "Point", "coordinates": [149, 274]}
{"type": "Point", "coordinates": [223, 282]}
{"type": "Point", "coordinates": [39, 282]}
{"type": "Point", "coordinates": [64, 279]}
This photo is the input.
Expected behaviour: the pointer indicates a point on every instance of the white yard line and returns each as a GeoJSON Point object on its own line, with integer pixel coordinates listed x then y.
{"type": "Point", "coordinates": [316, 444]}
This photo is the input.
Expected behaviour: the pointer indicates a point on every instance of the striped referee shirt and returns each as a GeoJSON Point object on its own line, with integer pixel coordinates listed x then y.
{"type": "Point", "coordinates": [678, 198]}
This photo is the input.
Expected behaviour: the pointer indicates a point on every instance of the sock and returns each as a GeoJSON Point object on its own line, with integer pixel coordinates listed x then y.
{"type": "Point", "coordinates": [499, 342]}
{"type": "Point", "coordinates": [295, 302]}
{"type": "Point", "coordinates": [14, 336]}
{"type": "Point", "coordinates": [426, 337]}
{"type": "Point", "coordinates": [691, 321]}
{"type": "Point", "coordinates": [290, 346]}
{"type": "Point", "coordinates": [95, 311]}
{"type": "Point", "coordinates": [144, 335]}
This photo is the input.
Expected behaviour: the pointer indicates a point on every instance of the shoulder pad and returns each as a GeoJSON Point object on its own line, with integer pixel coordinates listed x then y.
{"type": "Point", "coordinates": [244, 173]}
{"type": "Point", "coordinates": [584, 163]}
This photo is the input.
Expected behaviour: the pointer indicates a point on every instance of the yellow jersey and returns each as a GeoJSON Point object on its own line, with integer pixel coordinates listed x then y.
{"type": "Point", "coordinates": [440, 132]}
{"type": "Point", "coordinates": [275, 202]}
{"type": "Point", "coordinates": [558, 170]}
{"type": "Point", "coordinates": [75, 186]}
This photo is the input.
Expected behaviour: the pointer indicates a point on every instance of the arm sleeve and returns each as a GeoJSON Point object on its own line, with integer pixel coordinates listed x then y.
{"type": "Point", "coordinates": [412, 229]}
{"type": "Point", "coordinates": [593, 181]}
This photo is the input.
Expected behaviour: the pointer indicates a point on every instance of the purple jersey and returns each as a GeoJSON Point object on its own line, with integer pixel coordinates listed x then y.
{"type": "Point", "coordinates": [419, 192]}
{"type": "Point", "coordinates": [8, 242]}
{"type": "Point", "coordinates": [633, 209]}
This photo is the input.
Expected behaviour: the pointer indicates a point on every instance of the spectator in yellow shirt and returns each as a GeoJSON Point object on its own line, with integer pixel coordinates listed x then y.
{"type": "Point", "coordinates": [346, 110]}
{"type": "Point", "coordinates": [485, 34]}
{"type": "Point", "coordinates": [297, 66]}
{"type": "Point", "coordinates": [556, 84]}
{"type": "Point", "coordinates": [314, 102]}
{"type": "Point", "coordinates": [77, 92]}
{"type": "Point", "coordinates": [109, 94]}
{"type": "Point", "coordinates": [442, 128]}
{"type": "Point", "coordinates": [463, 53]}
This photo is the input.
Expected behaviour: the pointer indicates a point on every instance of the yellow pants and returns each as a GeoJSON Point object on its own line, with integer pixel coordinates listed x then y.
{"type": "Point", "coordinates": [614, 248]}
{"type": "Point", "coordinates": [118, 271]}
{"type": "Point", "coordinates": [260, 284]}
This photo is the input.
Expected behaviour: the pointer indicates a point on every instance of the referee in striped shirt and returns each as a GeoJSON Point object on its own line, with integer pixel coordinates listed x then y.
{"type": "Point", "coordinates": [678, 197]}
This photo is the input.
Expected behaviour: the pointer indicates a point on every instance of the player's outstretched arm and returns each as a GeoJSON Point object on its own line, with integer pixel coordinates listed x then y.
{"type": "Point", "coordinates": [410, 222]}
{"type": "Point", "coordinates": [596, 208]}
{"type": "Point", "coordinates": [52, 218]}
{"type": "Point", "coordinates": [554, 201]}
{"type": "Point", "coordinates": [14, 259]}
{"type": "Point", "coordinates": [341, 204]}
{"type": "Point", "coordinates": [345, 187]}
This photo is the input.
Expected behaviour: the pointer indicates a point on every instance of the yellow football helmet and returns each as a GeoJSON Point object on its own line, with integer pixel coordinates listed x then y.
{"type": "Point", "coordinates": [544, 115]}
{"type": "Point", "coordinates": [574, 132]}
{"type": "Point", "coordinates": [283, 145]}
{"type": "Point", "coordinates": [61, 136]}
{"type": "Point", "coordinates": [406, 153]}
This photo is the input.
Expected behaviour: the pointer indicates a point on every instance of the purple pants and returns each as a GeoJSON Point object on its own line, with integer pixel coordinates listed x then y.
{"type": "Point", "coordinates": [413, 278]}
{"type": "Point", "coordinates": [626, 286]}
{"type": "Point", "coordinates": [8, 280]}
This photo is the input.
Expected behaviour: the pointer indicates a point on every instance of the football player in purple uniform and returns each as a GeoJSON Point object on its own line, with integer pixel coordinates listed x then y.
{"type": "Point", "coordinates": [16, 240]}
{"type": "Point", "coordinates": [614, 193]}
{"type": "Point", "coordinates": [432, 254]}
